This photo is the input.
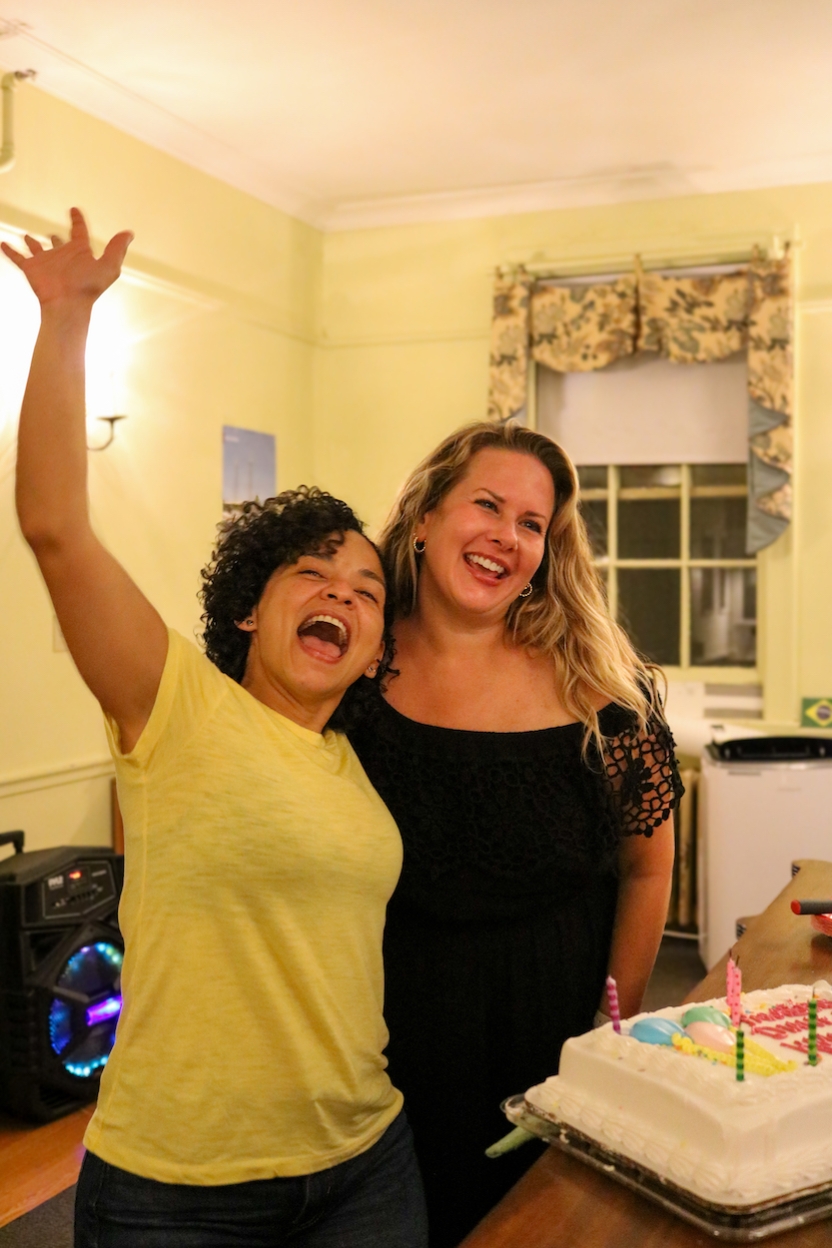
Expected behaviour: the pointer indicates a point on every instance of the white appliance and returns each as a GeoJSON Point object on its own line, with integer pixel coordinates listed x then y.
{"type": "Point", "coordinates": [757, 812]}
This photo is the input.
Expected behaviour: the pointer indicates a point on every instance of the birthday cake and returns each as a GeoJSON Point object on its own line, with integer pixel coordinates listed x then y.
{"type": "Point", "coordinates": [667, 1094]}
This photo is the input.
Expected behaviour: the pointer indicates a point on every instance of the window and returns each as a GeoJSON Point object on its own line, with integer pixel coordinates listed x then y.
{"type": "Point", "coordinates": [670, 543]}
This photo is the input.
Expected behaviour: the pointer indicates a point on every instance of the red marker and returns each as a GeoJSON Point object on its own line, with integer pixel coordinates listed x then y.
{"type": "Point", "coordinates": [812, 907]}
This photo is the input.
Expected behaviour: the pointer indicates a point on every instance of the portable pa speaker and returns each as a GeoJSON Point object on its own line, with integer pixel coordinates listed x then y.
{"type": "Point", "coordinates": [60, 975]}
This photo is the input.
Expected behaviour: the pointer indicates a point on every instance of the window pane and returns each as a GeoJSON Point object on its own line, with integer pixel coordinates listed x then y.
{"type": "Point", "coordinates": [648, 608]}
{"type": "Point", "coordinates": [649, 528]}
{"type": "Point", "coordinates": [595, 517]}
{"type": "Point", "coordinates": [648, 474]}
{"type": "Point", "coordinates": [718, 474]}
{"type": "Point", "coordinates": [723, 608]}
{"type": "Point", "coordinates": [717, 528]}
{"type": "Point", "coordinates": [592, 478]}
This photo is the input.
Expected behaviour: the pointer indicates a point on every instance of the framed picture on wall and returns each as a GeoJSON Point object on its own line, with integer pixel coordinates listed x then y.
{"type": "Point", "coordinates": [249, 466]}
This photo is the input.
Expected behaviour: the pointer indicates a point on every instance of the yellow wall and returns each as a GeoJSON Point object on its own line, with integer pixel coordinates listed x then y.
{"type": "Point", "coordinates": [220, 308]}
{"type": "Point", "coordinates": [359, 350]}
{"type": "Point", "coordinates": [403, 360]}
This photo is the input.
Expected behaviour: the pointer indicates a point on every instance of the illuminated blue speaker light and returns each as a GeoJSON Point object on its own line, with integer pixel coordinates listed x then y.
{"type": "Point", "coordinates": [84, 1072]}
{"type": "Point", "coordinates": [83, 1034]}
{"type": "Point", "coordinates": [60, 1026]}
{"type": "Point", "coordinates": [110, 1007]}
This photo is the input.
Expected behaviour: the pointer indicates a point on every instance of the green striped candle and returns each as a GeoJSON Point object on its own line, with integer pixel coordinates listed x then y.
{"type": "Point", "coordinates": [740, 1055]}
{"type": "Point", "coordinates": [813, 1032]}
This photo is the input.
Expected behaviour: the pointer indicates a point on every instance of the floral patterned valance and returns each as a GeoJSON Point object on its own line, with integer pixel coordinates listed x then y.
{"type": "Point", "coordinates": [690, 320]}
{"type": "Point", "coordinates": [509, 356]}
{"type": "Point", "coordinates": [770, 384]}
{"type": "Point", "coordinates": [693, 320]}
{"type": "Point", "coordinates": [575, 329]}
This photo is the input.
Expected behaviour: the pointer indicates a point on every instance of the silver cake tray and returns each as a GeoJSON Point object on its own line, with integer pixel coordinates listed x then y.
{"type": "Point", "coordinates": [737, 1223]}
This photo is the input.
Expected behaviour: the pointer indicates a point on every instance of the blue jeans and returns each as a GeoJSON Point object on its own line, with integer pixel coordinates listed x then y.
{"type": "Point", "coordinates": [374, 1200]}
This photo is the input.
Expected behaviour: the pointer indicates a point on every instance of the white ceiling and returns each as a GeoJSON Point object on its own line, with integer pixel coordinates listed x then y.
{"type": "Point", "coordinates": [350, 113]}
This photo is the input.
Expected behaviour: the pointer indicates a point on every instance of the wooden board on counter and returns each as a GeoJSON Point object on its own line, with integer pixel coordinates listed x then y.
{"type": "Point", "coordinates": [779, 947]}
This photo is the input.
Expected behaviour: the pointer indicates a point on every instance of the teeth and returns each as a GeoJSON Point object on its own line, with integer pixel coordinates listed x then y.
{"type": "Point", "coordinates": [327, 619]}
{"type": "Point", "coordinates": [488, 564]}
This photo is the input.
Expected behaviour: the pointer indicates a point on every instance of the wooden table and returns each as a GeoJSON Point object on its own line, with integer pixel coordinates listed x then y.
{"type": "Point", "coordinates": [561, 1203]}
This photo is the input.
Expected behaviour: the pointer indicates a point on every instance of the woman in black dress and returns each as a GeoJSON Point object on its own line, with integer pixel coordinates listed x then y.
{"type": "Point", "coordinates": [522, 750]}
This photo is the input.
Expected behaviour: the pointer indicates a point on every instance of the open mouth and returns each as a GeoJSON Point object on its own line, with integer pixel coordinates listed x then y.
{"type": "Point", "coordinates": [490, 566]}
{"type": "Point", "coordinates": [324, 637]}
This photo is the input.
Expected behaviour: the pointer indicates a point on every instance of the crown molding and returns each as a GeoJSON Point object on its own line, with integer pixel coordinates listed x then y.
{"type": "Point", "coordinates": [650, 182]}
{"type": "Point", "coordinates": [654, 182]}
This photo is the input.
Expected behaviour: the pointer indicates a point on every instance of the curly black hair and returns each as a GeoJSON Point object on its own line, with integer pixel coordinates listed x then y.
{"type": "Point", "coordinates": [253, 542]}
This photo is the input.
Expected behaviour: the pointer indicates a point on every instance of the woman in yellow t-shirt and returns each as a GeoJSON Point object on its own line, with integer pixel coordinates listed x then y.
{"type": "Point", "coordinates": [246, 1100]}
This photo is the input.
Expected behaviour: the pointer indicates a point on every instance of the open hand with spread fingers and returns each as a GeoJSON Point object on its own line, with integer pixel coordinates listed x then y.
{"type": "Point", "coordinates": [69, 270]}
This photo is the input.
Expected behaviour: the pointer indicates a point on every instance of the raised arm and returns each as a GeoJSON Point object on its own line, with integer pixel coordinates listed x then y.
{"type": "Point", "coordinates": [115, 636]}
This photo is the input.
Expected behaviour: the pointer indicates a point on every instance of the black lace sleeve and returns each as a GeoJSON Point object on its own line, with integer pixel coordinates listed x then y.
{"type": "Point", "coordinates": [642, 779]}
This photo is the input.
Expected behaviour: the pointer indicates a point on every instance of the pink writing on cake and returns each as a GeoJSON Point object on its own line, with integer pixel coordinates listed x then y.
{"type": "Point", "coordinates": [824, 1045]}
{"type": "Point", "coordinates": [798, 1010]}
{"type": "Point", "coordinates": [781, 1031]}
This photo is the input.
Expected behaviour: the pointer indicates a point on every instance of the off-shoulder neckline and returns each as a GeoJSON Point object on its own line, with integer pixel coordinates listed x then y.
{"type": "Point", "coordinates": [419, 724]}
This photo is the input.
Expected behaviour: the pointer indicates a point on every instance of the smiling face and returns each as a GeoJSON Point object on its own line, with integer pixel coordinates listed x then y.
{"type": "Point", "coordinates": [486, 538]}
{"type": "Point", "coordinates": [317, 627]}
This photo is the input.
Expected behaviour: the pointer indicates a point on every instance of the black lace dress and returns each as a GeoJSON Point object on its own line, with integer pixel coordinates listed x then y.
{"type": "Point", "coordinates": [498, 935]}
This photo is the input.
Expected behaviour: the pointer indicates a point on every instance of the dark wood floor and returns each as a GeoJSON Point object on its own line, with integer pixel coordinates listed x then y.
{"type": "Point", "coordinates": [678, 970]}
{"type": "Point", "coordinates": [38, 1162]}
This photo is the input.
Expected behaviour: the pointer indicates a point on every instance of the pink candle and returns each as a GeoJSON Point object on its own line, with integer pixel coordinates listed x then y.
{"type": "Point", "coordinates": [734, 991]}
{"type": "Point", "coordinates": [612, 997]}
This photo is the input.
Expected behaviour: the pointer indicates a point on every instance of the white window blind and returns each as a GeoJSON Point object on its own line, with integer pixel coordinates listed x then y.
{"type": "Point", "coordinates": [646, 410]}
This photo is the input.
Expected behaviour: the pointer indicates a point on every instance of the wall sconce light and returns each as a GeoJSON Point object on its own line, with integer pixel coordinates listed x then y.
{"type": "Point", "coordinates": [111, 421]}
{"type": "Point", "coordinates": [106, 359]}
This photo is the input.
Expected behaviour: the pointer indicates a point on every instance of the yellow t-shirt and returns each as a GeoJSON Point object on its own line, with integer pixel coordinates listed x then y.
{"type": "Point", "coordinates": [259, 862]}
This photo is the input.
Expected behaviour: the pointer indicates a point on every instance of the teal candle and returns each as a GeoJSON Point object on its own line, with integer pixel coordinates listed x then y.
{"type": "Point", "coordinates": [813, 1032]}
{"type": "Point", "coordinates": [740, 1055]}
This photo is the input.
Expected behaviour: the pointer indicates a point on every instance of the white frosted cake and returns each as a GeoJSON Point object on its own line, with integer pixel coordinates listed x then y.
{"type": "Point", "coordinates": [676, 1107]}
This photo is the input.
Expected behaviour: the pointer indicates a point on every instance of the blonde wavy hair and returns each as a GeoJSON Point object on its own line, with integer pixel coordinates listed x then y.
{"type": "Point", "coordinates": [566, 616]}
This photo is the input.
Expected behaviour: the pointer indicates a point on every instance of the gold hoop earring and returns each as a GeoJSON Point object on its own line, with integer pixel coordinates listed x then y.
{"type": "Point", "coordinates": [418, 546]}
{"type": "Point", "coordinates": [524, 593]}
